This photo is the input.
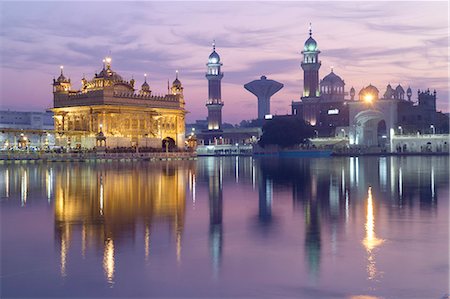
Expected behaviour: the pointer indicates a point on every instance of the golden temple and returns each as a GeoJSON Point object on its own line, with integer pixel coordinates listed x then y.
{"type": "Point", "coordinates": [109, 109]}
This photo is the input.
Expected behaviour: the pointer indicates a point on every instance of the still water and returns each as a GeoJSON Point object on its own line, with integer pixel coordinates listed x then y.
{"type": "Point", "coordinates": [372, 227]}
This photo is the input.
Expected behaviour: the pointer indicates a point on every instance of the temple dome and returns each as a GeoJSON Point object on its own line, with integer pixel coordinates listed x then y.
{"type": "Point", "coordinates": [370, 88]}
{"type": "Point", "coordinates": [332, 78]}
{"type": "Point", "coordinates": [109, 74]}
{"type": "Point", "coordinates": [145, 86]}
{"type": "Point", "coordinates": [310, 45]}
{"type": "Point", "coordinates": [214, 57]}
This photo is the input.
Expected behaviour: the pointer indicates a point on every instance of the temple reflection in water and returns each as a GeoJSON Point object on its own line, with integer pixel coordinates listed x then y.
{"type": "Point", "coordinates": [106, 204]}
{"type": "Point", "coordinates": [100, 209]}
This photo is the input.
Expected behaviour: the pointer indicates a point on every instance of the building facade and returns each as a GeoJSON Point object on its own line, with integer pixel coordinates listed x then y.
{"type": "Point", "coordinates": [368, 118]}
{"type": "Point", "coordinates": [109, 109]}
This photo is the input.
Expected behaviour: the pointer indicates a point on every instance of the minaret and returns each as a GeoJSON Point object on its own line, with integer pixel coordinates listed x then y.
{"type": "Point", "coordinates": [310, 66]}
{"type": "Point", "coordinates": [214, 102]}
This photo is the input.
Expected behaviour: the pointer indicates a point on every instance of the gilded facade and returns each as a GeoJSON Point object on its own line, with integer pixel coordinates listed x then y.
{"type": "Point", "coordinates": [109, 106]}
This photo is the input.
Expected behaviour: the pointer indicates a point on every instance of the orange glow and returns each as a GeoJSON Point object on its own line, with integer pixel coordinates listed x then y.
{"type": "Point", "coordinates": [370, 242]}
{"type": "Point", "coordinates": [368, 98]}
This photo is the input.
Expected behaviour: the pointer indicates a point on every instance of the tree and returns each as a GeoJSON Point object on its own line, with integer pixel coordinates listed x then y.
{"type": "Point", "coordinates": [285, 132]}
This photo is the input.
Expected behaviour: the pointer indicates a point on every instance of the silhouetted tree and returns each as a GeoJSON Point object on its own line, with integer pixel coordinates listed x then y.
{"type": "Point", "coordinates": [285, 132]}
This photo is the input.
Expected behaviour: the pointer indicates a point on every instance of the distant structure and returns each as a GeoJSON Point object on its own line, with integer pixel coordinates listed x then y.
{"type": "Point", "coordinates": [108, 109]}
{"type": "Point", "coordinates": [367, 118]}
{"type": "Point", "coordinates": [263, 89]}
{"type": "Point", "coordinates": [215, 137]}
{"type": "Point", "coordinates": [24, 130]}
{"type": "Point", "coordinates": [214, 102]}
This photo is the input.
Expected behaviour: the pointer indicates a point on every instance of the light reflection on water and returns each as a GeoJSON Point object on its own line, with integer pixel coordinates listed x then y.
{"type": "Point", "coordinates": [229, 227]}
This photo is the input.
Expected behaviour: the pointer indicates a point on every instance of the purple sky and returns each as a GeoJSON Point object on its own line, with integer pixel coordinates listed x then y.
{"type": "Point", "coordinates": [366, 42]}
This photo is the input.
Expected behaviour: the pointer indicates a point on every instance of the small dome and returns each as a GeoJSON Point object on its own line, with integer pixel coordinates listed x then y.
{"type": "Point", "coordinates": [310, 45]}
{"type": "Point", "coordinates": [369, 88]}
{"type": "Point", "coordinates": [145, 86]}
{"type": "Point", "coordinates": [176, 82]}
{"type": "Point", "coordinates": [332, 78]}
{"type": "Point", "coordinates": [389, 92]}
{"type": "Point", "coordinates": [409, 91]}
{"type": "Point", "coordinates": [399, 89]}
{"type": "Point", "coordinates": [62, 78]}
{"type": "Point", "coordinates": [109, 74]}
{"type": "Point", "coordinates": [214, 57]}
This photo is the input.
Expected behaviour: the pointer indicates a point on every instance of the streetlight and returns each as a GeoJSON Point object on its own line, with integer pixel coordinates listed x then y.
{"type": "Point", "coordinates": [343, 132]}
{"type": "Point", "coordinates": [400, 129]}
{"type": "Point", "coordinates": [433, 129]}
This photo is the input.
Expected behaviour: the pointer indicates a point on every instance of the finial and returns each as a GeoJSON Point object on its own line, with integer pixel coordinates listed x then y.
{"type": "Point", "coordinates": [332, 67]}
{"type": "Point", "coordinates": [145, 77]}
{"type": "Point", "coordinates": [61, 67]}
{"type": "Point", "coordinates": [214, 44]}
{"type": "Point", "coordinates": [176, 74]}
{"type": "Point", "coordinates": [310, 29]}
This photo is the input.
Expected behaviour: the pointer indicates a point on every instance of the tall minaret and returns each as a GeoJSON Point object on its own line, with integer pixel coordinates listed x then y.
{"type": "Point", "coordinates": [310, 66]}
{"type": "Point", "coordinates": [214, 102]}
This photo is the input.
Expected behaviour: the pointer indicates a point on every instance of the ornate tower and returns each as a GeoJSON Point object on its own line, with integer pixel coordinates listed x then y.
{"type": "Point", "coordinates": [214, 102]}
{"type": "Point", "coordinates": [310, 66]}
{"type": "Point", "coordinates": [145, 88]}
{"type": "Point", "coordinates": [177, 88]}
{"type": "Point", "coordinates": [62, 84]}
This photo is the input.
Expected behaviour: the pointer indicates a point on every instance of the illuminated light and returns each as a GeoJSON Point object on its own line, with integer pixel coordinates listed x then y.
{"type": "Point", "coordinates": [61, 67]}
{"type": "Point", "coordinates": [333, 111]}
{"type": "Point", "coordinates": [108, 59]}
{"type": "Point", "coordinates": [268, 116]}
{"type": "Point", "coordinates": [368, 98]}
{"type": "Point", "coordinates": [108, 260]}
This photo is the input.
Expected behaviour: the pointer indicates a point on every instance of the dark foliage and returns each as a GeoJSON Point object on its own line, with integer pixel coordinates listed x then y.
{"type": "Point", "coordinates": [286, 132]}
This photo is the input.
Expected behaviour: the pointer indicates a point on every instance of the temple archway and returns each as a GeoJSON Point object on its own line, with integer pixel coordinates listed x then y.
{"type": "Point", "coordinates": [370, 128]}
{"type": "Point", "coordinates": [168, 144]}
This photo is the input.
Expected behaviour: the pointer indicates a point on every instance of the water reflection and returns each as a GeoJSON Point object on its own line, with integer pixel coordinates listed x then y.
{"type": "Point", "coordinates": [316, 208]}
{"type": "Point", "coordinates": [371, 241]}
{"type": "Point", "coordinates": [215, 196]}
{"type": "Point", "coordinates": [107, 204]}
{"type": "Point", "coordinates": [108, 260]}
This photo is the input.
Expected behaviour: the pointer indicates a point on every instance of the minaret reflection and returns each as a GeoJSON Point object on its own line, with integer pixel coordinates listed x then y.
{"type": "Point", "coordinates": [312, 238]}
{"type": "Point", "coordinates": [7, 183]}
{"type": "Point", "coordinates": [265, 197]}
{"type": "Point", "coordinates": [371, 242]}
{"type": "Point", "coordinates": [23, 188]}
{"type": "Point", "coordinates": [215, 211]}
{"type": "Point", "coordinates": [49, 183]}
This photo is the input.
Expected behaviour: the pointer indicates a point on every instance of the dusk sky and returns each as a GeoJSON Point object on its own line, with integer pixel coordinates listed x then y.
{"type": "Point", "coordinates": [366, 42]}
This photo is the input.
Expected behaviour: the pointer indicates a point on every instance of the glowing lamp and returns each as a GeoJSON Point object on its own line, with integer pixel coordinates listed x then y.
{"type": "Point", "coordinates": [108, 59]}
{"type": "Point", "coordinates": [368, 98]}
